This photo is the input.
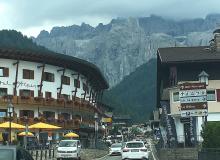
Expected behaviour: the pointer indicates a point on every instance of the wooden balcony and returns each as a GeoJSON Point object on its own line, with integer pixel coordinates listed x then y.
{"type": "Point", "coordinates": [67, 124]}
{"type": "Point", "coordinates": [49, 102]}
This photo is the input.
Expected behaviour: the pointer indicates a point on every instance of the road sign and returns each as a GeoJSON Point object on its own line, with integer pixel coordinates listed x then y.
{"type": "Point", "coordinates": [192, 86]}
{"type": "Point", "coordinates": [193, 99]}
{"type": "Point", "coordinates": [191, 113]}
{"type": "Point", "coordinates": [196, 92]}
{"type": "Point", "coordinates": [187, 106]}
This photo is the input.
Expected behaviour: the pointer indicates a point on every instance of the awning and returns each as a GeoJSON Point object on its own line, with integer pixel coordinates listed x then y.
{"type": "Point", "coordinates": [13, 125]}
{"type": "Point", "coordinates": [42, 125]}
{"type": "Point", "coordinates": [29, 134]}
{"type": "Point", "coordinates": [71, 135]}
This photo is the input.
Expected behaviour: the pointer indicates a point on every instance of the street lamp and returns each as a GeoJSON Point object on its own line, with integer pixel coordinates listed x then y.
{"type": "Point", "coordinates": [96, 128]}
{"type": "Point", "coordinates": [10, 110]}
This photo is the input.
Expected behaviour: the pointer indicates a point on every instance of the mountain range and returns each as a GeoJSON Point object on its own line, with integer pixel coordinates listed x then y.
{"type": "Point", "coordinates": [124, 50]}
{"type": "Point", "coordinates": [119, 47]}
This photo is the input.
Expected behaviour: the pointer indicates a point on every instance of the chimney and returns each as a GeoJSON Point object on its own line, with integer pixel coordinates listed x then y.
{"type": "Point", "coordinates": [217, 40]}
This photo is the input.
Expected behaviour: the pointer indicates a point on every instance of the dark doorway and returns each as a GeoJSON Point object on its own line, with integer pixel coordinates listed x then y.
{"type": "Point", "coordinates": [188, 142]}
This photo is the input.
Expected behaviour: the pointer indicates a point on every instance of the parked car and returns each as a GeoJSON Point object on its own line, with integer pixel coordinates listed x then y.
{"type": "Point", "coordinates": [115, 149]}
{"type": "Point", "coordinates": [135, 150]}
{"type": "Point", "coordinates": [14, 153]}
{"type": "Point", "coordinates": [69, 149]}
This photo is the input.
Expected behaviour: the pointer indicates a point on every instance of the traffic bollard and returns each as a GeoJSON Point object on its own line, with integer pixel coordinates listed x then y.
{"type": "Point", "coordinates": [41, 154]}
{"type": "Point", "coordinates": [36, 155]}
{"type": "Point", "coordinates": [45, 152]}
{"type": "Point", "coordinates": [53, 152]}
{"type": "Point", "coordinates": [32, 153]}
{"type": "Point", "coordinates": [49, 153]}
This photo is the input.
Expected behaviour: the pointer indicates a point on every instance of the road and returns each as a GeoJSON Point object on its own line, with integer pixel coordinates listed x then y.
{"type": "Point", "coordinates": [152, 154]}
{"type": "Point", "coordinates": [110, 158]}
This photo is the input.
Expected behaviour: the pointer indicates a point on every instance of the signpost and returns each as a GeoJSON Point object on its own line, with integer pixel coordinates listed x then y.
{"type": "Point", "coordinates": [193, 99]}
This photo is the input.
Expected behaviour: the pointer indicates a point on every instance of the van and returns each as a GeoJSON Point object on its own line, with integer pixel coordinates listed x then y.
{"type": "Point", "coordinates": [69, 149]}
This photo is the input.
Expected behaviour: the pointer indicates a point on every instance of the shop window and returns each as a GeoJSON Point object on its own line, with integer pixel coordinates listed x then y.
{"type": "Point", "coordinates": [3, 92]}
{"type": "Point", "coordinates": [65, 80]}
{"type": "Point", "coordinates": [4, 72]}
{"type": "Point", "coordinates": [28, 74]}
{"type": "Point", "coordinates": [211, 95]}
{"type": "Point", "coordinates": [49, 77]}
{"type": "Point", "coordinates": [175, 96]}
{"type": "Point", "coordinates": [76, 83]}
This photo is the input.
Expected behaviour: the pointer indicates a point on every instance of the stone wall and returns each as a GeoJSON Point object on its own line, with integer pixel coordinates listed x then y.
{"type": "Point", "coordinates": [178, 154]}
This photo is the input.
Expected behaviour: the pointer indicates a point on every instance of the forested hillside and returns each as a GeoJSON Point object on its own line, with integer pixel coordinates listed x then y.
{"type": "Point", "coordinates": [135, 94]}
{"type": "Point", "coordinates": [14, 39]}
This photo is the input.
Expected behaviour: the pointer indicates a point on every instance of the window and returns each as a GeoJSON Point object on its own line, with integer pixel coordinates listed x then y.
{"type": "Point", "coordinates": [211, 95]}
{"type": "Point", "coordinates": [28, 74]}
{"type": "Point", "coordinates": [26, 93]}
{"type": "Point", "coordinates": [65, 96]}
{"type": "Point", "coordinates": [3, 112]}
{"type": "Point", "coordinates": [4, 72]}
{"type": "Point", "coordinates": [76, 83]}
{"type": "Point", "coordinates": [218, 94]}
{"type": "Point", "coordinates": [27, 113]}
{"type": "Point", "coordinates": [176, 96]}
{"type": "Point", "coordinates": [173, 76]}
{"type": "Point", "coordinates": [65, 80]}
{"type": "Point", "coordinates": [3, 91]}
{"type": "Point", "coordinates": [49, 77]}
{"type": "Point", "coordinates": [85, 88]}
{"type": "Point", "coordinates": [48, 95]}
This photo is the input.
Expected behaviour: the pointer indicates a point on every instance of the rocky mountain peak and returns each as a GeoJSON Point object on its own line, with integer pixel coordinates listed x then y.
{"type": "Point", "coordinates": [119, 47]}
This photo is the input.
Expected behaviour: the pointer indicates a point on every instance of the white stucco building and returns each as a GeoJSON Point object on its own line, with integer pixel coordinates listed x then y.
{"type": "Point", "coordinates": [178, 65]}
{"type": "Point", "coordinates": [50, 87]}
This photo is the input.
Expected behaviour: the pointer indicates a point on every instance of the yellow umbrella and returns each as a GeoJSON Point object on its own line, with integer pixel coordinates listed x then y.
{"type": "Point", "coordinates": [29, 134]}
{"type": "Point", "coordinates": [13, 125]}
{"type": "Point", "coordinates": [42, 125]}
{"type": "Point", "coordinates": [71, 135]}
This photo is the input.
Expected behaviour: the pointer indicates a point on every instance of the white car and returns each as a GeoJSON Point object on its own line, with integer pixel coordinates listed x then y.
{"type": "Point", "coordinates": [115, 149]}
{"type": "Point", "coordinates": [134, 150]}
{"type": "Point", "coordinates": [69, 149]}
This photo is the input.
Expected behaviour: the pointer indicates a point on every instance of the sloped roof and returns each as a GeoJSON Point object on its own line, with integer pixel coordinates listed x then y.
{"type": "Point", "coordinates": [187, 54]}
{"type": "Point", "coordinates": [81, 66]}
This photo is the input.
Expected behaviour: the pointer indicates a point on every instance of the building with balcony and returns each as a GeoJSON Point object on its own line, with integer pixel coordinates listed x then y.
{"type": "Point", "coordinates": [177, 65]}
{"type": "Point", "coordinates": [52, 88]}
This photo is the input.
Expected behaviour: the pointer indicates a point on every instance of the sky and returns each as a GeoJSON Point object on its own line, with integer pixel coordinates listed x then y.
{"type": "Point", "coordinates": [32, 16]}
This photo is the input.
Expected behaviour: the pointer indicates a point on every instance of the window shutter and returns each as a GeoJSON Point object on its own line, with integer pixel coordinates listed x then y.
{"type": "Point", "coordinates": [31, 114]}
{"type": "Point", "coordinates": [218, 95]}
{"type": "Point", "coordinates": [5, 72]}
{"type": "Point", "coordinates": [21, 113]}
{"type": "Point", "coordinates": [21, 92]}
{"type": "Point", "coordinates": [32, 74]}
{"type": "Point", "coordinates": [52, 77]}
{"type": "Point", "coordinates": [24, 73]}
{"type": "Point", "coordinates": [43, 76]}
{"type": "Point", "coordinates": [32, 93]}
{"type": "Point", "coordinates": [68, 80]}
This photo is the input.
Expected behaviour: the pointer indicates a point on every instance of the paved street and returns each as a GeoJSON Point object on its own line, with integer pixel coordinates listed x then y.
{"type": "Point", "coordinates": [110, 158]}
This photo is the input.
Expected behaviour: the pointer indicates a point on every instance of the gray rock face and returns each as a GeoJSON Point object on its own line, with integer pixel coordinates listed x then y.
{"type": "Point", "coordinates": [119, 47]}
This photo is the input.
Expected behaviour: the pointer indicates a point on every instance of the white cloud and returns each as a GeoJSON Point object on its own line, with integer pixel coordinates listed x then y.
{"type": "Point", "coordinates": [31, 16]}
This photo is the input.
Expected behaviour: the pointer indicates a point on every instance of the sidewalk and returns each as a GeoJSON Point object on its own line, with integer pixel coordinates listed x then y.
{"type": "Point", "coordinates": [86, 154]}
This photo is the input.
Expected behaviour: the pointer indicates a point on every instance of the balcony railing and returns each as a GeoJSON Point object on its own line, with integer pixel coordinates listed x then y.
{"type": "Point", "coordinates": [78, 104]}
